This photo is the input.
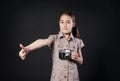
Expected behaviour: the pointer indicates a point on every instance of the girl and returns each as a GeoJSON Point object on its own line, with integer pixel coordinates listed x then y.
{"type": "Point", "coordinates": [66, 49]}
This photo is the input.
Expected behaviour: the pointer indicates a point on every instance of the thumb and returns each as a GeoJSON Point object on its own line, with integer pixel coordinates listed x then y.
{"type": "Point", "coordinates": [21, 46]}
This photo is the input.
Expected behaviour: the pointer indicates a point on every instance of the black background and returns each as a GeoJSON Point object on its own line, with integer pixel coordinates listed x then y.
{"type": "Point", "coordinates": [25, 21]}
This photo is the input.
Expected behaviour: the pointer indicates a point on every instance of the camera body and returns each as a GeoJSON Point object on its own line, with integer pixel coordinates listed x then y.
{"type": "Point", "coordinates": [65, 54]}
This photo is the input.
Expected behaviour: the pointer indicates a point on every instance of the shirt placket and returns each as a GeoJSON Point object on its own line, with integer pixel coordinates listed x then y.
{"type": "Point", "coordinates": [67, 45]}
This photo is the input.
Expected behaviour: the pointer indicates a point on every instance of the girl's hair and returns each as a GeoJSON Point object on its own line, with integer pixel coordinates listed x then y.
{"type": "Point", "coordinates": [75, 30]}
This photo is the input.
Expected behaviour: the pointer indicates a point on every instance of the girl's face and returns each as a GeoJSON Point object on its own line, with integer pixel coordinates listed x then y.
{"type": "Point", "coordinates": [66, 24]}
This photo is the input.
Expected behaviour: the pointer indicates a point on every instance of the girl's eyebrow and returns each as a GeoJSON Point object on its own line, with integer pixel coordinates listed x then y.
{"type": "Point", "coordinates": [60, 20]}
{"type": "Point", "coordinates": [64, 20]}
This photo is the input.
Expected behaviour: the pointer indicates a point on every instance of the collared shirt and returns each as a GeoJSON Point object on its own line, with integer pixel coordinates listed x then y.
{"type": "Point", "coordinates": [64, 70]}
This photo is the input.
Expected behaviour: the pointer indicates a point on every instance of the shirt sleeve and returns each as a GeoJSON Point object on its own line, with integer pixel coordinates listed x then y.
{"type": "Point", "coordinates": [81, 43]}
{"type": "Point", "coordinates": [52, 38]}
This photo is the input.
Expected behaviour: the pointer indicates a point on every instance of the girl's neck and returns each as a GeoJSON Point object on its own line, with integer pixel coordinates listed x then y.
{"type": "Point", "coordinates": [67, 35]}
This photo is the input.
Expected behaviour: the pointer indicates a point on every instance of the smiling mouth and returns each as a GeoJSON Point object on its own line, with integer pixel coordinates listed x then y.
{"type": "Point", "coordinates": [64, 28]}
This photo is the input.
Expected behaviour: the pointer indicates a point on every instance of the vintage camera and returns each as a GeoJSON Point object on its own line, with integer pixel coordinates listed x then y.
{"type": "Point", "coordinates": [65, 54]}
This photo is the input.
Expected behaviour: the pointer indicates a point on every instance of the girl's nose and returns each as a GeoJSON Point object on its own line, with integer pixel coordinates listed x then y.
{"type": "Point", "coordinates": [65, 24]}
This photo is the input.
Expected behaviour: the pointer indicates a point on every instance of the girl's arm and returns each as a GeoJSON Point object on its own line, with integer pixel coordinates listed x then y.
{"type": "Point", "coordinates": [35, 45]}
{"type": "Point", "coordinates": [77, 57]}
{"type": "Point", "coordinates": [38, 44]}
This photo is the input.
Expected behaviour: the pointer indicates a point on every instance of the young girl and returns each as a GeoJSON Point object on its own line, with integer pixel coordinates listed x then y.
{"type": "Point", "coordinates": [66, 49]}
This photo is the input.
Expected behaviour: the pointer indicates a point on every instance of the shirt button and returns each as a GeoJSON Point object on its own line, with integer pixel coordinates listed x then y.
{"type": "Point", "coordinates": [65, 66]}
{"type": "Point", "coordinates": [65, 77]}
{"type": "Point", "coordinates": [67, 46]}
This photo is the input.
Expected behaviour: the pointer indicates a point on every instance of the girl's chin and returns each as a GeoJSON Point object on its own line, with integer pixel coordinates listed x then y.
{"type": "Point", "coordinates": [66, 32]}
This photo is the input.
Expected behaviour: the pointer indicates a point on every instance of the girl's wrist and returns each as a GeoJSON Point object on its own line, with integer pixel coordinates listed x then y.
{"type": "Point", "coordinates": [27, 50]}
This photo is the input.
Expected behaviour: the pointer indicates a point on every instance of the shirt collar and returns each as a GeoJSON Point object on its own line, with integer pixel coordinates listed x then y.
{"type": "Point", "coordinates": [60, 35]}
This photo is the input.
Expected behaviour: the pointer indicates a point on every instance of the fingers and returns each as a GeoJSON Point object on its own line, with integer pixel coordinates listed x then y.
{"type": "Point", "coordinates": [23, 58]}
{"type": "Point", "coordinates": [22, 52]}
{"type": "Point", "coordinates": [74, 56]}
{"type": "Point", "coordinates": [24, 49]}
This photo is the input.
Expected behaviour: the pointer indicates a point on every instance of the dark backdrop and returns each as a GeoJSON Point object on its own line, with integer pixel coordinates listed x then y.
{"type": "Point", "coordinates": [25, 21]}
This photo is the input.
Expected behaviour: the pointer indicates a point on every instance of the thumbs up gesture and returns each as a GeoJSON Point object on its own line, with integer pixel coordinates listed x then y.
{"type": "Point", "coordinates": [23, 52]}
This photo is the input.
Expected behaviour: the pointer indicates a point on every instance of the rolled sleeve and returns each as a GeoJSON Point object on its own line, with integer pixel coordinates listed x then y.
{"type": "Point", "coordinates": [51, 38]}
{"type": "Point", "coordinates": [81, 44]}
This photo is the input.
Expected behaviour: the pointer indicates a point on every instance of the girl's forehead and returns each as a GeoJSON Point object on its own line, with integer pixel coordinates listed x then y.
{"type": "Point", "coordinates": [66, 17]}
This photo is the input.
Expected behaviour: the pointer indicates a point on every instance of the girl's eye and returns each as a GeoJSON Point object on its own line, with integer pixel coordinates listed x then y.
{"type": "Point", "coordinates": [61, 22]}
{"type": "Point", "coordinates": [68, 22]}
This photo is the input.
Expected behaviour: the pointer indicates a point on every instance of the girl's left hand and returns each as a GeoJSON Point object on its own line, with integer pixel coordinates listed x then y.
{"type": "Point", "coordinates": [74, 55]}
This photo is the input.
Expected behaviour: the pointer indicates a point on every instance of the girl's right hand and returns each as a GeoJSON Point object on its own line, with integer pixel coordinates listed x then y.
{"type": "Point", "coordinates": [23, 52]}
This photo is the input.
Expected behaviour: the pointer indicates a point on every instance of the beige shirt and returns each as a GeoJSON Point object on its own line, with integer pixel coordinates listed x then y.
{"type": "Point", "coordinates": [64, 70]}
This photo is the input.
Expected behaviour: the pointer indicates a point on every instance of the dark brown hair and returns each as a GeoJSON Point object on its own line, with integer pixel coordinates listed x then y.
{"type": "Point", "coordinates": [75, 30]}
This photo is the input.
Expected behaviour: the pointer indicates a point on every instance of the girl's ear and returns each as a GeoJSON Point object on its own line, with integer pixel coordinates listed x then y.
{"type": "Point", "coordinates": [74, 24]}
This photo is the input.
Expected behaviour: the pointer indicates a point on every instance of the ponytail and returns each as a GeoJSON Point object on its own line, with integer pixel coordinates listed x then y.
{"type": "Point", "coordinates": [75, 32]}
